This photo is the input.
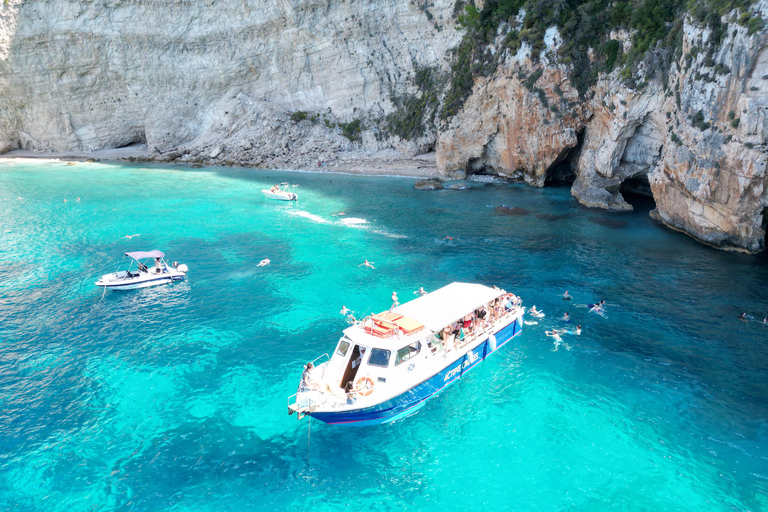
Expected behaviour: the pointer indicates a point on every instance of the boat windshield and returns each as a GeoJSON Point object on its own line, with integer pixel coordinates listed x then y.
{"type": "Point", "coordinates": [407, 352]}
{"type": "Point", "coordinates": [341, 350]}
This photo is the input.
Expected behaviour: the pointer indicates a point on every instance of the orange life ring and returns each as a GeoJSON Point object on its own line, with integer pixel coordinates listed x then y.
{"type": "Point", "coordinates": [364, 386]}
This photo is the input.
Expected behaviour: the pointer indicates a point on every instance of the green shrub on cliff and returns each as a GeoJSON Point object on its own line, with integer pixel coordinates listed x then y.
{"type": "Point", "coordinates": [585, 26]}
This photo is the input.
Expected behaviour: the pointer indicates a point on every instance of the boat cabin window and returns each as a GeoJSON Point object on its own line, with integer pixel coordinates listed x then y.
{"type": "Point", "coordinates": [407, 352]}
{"type": "Point", "coordinates": [342, 348]}
{"type": "Point", "coordinates": [379, 357]}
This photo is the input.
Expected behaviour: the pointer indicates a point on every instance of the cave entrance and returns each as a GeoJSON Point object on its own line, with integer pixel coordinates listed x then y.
{"type": "Point", "coordinates": [641, 155]}
{"type": "Point", "coordinates": [637, 192]}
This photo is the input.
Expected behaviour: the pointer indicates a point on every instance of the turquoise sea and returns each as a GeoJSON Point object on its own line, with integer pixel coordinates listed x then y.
{"type": "Point", "coordinates": [174, 398]}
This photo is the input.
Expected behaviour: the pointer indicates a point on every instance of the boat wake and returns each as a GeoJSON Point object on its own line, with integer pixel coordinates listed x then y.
{"type": "Point", "coordinates": [308, 216]}
{"type": "Point", "coordinates": [353, 222]}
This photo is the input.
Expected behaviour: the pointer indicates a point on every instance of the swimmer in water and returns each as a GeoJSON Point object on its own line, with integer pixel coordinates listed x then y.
{"type": "Point", "coordinates": [554, 334]}
{"type": "Point", "coordinates": [743, 317]}
{"type": "Point", "coordinates": [368, 264]}
{"type": "Point", "coordinates": [566, 296]}
{"type": "Point", "coordinates": [566, 317]}
{"type": "Point", "coordinates": [337, 214]}
{"type": "Point", "coordinates": [577, 332]}
{"type": "Point", "coordinates": [533, 311]}
{"type": "Point", "coordinates": [345, 311]}
{"type": "Point", "coordinates": [263, 263]}
{"type": "Point", "coordinates": [420, 292]}
{"type": "Point", "coordinates": [130, 236]}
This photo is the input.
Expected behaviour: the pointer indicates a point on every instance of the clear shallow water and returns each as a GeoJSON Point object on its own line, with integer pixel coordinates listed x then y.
{"type": "Point", "coordinates": [174, 398]}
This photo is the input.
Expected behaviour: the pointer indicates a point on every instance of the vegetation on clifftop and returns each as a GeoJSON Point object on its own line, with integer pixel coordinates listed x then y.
{"type": "Point", "coordinates": [585, 26]}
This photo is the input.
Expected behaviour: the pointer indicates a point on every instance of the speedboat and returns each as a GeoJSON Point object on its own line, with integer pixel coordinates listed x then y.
{"type": "Point", "coordinates": [147, 273]}
{"type": "Point", "coordinates": [281, 194]}
{"type": "Point", "coordinates": [388, 365]}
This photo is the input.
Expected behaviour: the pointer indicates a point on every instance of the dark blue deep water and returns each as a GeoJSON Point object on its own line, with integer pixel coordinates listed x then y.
{"type": "Point", "coordinates": [174, 398]}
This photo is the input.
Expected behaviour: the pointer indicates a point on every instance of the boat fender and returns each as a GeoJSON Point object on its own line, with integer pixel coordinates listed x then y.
{"type": "Point", "coordinates": [364, 386]}
{"type": "Point", "coordinates": [183, 268]}
{"type": "Point", "coordinates": [492, 342]}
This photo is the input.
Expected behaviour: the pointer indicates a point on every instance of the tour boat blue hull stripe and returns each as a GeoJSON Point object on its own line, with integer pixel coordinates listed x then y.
{"type": "Point", "coordinates": [413, 399]}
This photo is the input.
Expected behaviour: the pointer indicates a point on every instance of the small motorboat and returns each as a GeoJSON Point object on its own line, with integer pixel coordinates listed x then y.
{"type": "Point", "coordinates": [145, 275]}
{"type": "Point", "coordinates": [281, 194]}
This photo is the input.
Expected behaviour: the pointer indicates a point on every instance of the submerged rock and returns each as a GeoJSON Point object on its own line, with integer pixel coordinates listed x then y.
{"type": "Point", "coordinates": [428, 185]}
{"type": "Point", "coordinates": [459, 186]}
{"type": "Point", "coordinates": [609, 223]}
{"type": "Point", "coordinates": [510, 210]}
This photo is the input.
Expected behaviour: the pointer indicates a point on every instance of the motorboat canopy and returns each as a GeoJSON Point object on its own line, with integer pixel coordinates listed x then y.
{"type": "Point", "coordinates": [141, 255]}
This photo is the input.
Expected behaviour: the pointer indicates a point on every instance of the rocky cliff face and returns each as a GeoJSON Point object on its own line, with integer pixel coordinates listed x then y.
{"type": "Point", "coordinates": [229, 81]}
{"type": "Point", "coordinates": [191, 74]}
{"type": "Point", "coordinates": [696, 144]}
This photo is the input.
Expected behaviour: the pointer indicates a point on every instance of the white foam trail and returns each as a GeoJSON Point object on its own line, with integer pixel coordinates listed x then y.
{"type": "Point", "coordinates": [388, 234]}
{"type": "Point", "coordinates": [353, 222]}
{"type": "Point", "coordinates": [308, 216]}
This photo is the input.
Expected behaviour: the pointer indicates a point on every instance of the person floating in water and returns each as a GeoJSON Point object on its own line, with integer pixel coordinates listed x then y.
{"type": "Point", "coordinates": [338, 214]}
{"type": "Point", "coordinates": [577, 332]}
{"type": "Point", "coordinates": [554, 334]}
{"type": "Point", "coordinates": [368, 264]}
{"type": "Point", "coordinates": [535, 312]}
{"type": "Point", "coordinates": [263, 263]}
{"type": "Point", "coordinates": [743, 317]}
{"type": "Point", "coordinates": [130, 236]}
{"type": "Point", "coordinates": [345, 311]}
{"type": "Point", "coordinates": [566, 317]}
{"type": "Point", "coordinates": [566, 296]}
{"type": "Point", "coordinates": [420, 292]}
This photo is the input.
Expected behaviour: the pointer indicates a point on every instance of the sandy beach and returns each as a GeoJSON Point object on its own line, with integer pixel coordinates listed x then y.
{"type": "Point", "coordinates": [385, 163]}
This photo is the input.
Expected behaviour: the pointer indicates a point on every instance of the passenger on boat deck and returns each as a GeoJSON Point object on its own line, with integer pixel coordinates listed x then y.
{"type": "Point", "coordinates": [578, 330]}
{"type": "Point", "coordinates": [467, 324]}
{"type": "Point", "coordinates": [306, 376]}
{"type": "Point", "coordinates": [420, 292]}
{"type": "Point", "coordinates": [394, 300]}
{"type": "Point", "coordinates": [158, 269]}
{"type": "Point", "coordinates": [566, 317]}
{"type": "Point", "coordinates": [480, 315]}
{"type": "Point", "coordinates": [274, 188]}
{"type": "Point", "coordinates": [566, 296]}
{"type": "Point", "coordinates": [367, 263]}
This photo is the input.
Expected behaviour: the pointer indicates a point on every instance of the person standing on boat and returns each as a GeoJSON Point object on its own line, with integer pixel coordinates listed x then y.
{"type": "Point", "coordinates": [158, 268]}
{"type": "Point", "coordinates": [306, 377]}
{"type": "Point", "coordinates": [395, 303]}
{"type": "Point", "coordinates": [357, 362]}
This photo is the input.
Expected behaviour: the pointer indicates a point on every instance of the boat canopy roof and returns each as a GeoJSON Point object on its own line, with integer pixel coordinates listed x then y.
{"type": "Point", "coordinates": [441, 307]}
{"type": "Point", "coordinates": [140, 255]}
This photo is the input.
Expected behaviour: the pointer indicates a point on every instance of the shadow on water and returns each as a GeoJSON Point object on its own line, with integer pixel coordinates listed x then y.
{"type": "Point", "coordinates": [510, 210]}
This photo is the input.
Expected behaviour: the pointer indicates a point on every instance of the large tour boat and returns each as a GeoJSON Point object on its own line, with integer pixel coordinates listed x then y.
{"type": "Point", "coordinates": [386, 366]}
